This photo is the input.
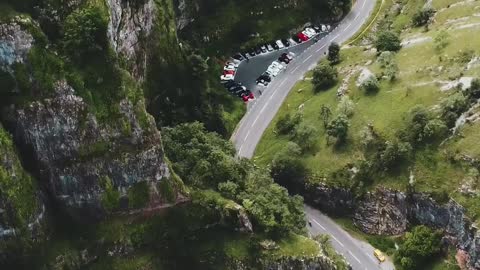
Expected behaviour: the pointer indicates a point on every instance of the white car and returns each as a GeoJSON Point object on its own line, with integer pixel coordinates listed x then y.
{"type": "Point", "coordinates": [291, 54]}
{"type": "Point", "coordinates": [227, 77]}
{"type": "Point", "coordinates": [273, 70]}
{"type": "Point", "coordinates": [324, 27]}
{"type": "Point", "coordinates": [280, 44]}
{"type": "Point", "coordinates": [229, 67]}
{"type": "Point", "coordinates": [269, 47]}
{"type": "Point", "coordinates": [278, 65]}
{"type": "Point", "coordinates": [292, 42]}
{"type": "Point", "coordinates": [311, 31]}
{"type": "Point", "coordinates": [235, 63]}
{"type": "Point", "coordinates": [307, 33]}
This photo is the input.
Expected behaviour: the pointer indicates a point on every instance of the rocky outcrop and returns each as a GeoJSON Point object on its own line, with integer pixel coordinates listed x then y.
{"type": "Point", "coordinates": [185, 11]}
{"type": "Point", "coordinates": [15, 43]}
{"type": "Point", "coordinates": [21, 208]}
{"type": "Point", "coordinates": [91, 166]}
{"type": "Point", "coordinates": [390, 212]}
{"type": "Point", "coordinates": [131, 23]}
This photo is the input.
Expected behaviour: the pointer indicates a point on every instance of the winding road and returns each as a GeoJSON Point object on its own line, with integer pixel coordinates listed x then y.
{"type": "Point", "coordinates": [263, 109]}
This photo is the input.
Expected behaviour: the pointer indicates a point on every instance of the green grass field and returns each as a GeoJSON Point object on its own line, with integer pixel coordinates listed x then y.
{"type": "Point", "coordinates": [421, 71]}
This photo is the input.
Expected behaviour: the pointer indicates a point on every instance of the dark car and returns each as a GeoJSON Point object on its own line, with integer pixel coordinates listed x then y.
{"type": "Point", "coordinates": [266, 77]}
{"type": "Point", "coordinates": [244, 55]}
{"type": "Point", "coordinates": [285, 42]}
{"type": "Point", "coordinates": [297, 39]}
{"type": "Point", "coordinates": [263, 48]}
{"type": "Point", "coordinates": [274, 45]}
{"type": "Point", "coordinates": [252, 52]}
{"type": "Point", "coordinates": [284, 59]}
{"type": "Point", "coordinates": [239, 57]}
{"type": "Point", "coordinates": [317, 28]}
{"type": "Point", "coordinates": [229, 84]}
{"type": "Point", "coordinates": [258, 50]}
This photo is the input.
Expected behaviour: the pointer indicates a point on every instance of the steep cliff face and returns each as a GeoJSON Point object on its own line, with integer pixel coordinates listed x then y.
{"type": "Point", "coordinates": [390, 212]}
{"type": "Point", "coordinates": [21, 208]}
{"type": "Point", "coordinates": [130, 25]}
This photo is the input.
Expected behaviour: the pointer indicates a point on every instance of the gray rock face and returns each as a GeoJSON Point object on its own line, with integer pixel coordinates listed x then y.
{"type": "Point", "coordinates": [76, 153]}
{"type": "Point", "coordinates": [185, 10]}
{"type": "Point", "coordinates": [15, 43]}
{"type": "Point", "coordinates": [389, 212]}
{"type": "Point", "coordinates": [21, 208]}
{"type": "Point", "coordinates": [131, 22]}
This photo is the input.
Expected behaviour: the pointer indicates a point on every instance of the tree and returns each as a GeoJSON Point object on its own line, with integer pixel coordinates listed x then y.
{"type": "Point", "coordinates": [334, 53]}
{"type": "Point", "coordinates": [346, 106]}
{"type": "Point", "coordinates": [387, 41]}
{"type": "Point", "coordinates": [85, 33]}
{"type": "Point", "coordinates": [287, 123]}
{"type": "Point", "coordinates": [441, 41]}
{"type": "Point", "coordinates": [228, 189]}
{"type": "Point", "coordinates": [473, 92]}
{"type": "Point", "coordinates": [305, 136]}
{"type": "Point", "coordinates": [419, 246]}
{"type": "Point", "coordinates": [422, 17]}
{"type": "Point", "coordinates": [287, 168]}
{"type": "Point", "coordinates": [452, 107]}
{"type": "Point", "coordinates": [387, 61]}
{"type": "Point", "coordinates": [393, 154]}
{"type": "Point", "coordinates": [324, 77]}
{"type": "Point", "coordinates": [338, 128]}
{"type": "Point", "coordinates": [370, 85]}
{"type": "Point", "coordinates": [435, 129]}
{"type": "Point", "coordinates": [325, 114]}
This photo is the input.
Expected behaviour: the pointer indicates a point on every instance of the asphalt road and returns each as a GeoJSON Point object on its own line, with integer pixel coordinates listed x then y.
{"type": "Point", "coordinates": [261, 111]}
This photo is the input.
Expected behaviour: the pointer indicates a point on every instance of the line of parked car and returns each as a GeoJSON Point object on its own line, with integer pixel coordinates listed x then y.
{"type": "Point", "coordinates": [274, 69]}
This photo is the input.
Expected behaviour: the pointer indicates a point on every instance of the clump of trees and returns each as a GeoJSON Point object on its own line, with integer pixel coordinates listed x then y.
{"type": "Point", "coordinates": [422, 17]}
{"type": "Point", "coordinates": [418, 247]}
{"type": "Point", "coordinates": [324, 77]}
{"type": "Point", "coordinates": [206, 161]}
{"type": "Point", "coordinates": [338, 128]}
{"type": "Point", "coordinates": [334, 53]}
{"type": "Point", "coordinates": [287, 168]}
{"type": "Point", "coordinates": [387, 41]}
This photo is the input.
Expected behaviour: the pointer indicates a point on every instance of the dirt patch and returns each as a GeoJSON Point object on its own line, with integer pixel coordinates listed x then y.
{"type": "Point", "coordinates": [415, 41]}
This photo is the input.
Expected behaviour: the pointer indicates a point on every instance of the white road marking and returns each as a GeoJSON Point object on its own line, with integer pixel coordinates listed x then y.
{"type": "Point", "coordinates": [294, 69]}
{"type": "Point", "coordinates": [347, 26]}
{"type": "Point", "coordinates": [335, 37]}
{"type": "Point", "coordinates": [363, 4]}
{"type": "Point", "coordinates": [356, 16]}
{"type": "Point", "coordinates": [253, 124]}
{"type": "Point", "coordinates": [355, 257]}
{"type": "Point", "coordinates": [321, 48]}
{"type": "Point", "coordinates": [334, 238]}
{"type": "Point", "coordinates": [307, 59]}
{"type": "Point", "coordinates": [316, 222]}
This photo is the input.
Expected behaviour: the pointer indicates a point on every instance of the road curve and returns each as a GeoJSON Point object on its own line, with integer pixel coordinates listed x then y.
{"type": "Point", "coordinates": [261, 112]}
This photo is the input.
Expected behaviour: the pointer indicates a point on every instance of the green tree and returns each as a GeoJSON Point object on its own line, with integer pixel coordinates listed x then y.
{"type": "Point", "coordinates": [287, 123]}
{"type": "Point", "coordinates": [452, 107]}
{"type": "Point", "coordinates": [473, 92]}
{"type": "Point", "coordinates": [419, 246]}
{"type": "Point", "coordinates": [325, 114]}
{"type": "Point", "coordinates": [338, 128]}
{"type": "Point", "coordinates": [228, 189]}
{"type": "Point", "coordinates": [370, 85]}
{"type": "Point", "coordinates": [287, 168]}
{"type": "Point", "coordinates": [422, 17]}
{"type": "Point", "coordinates": [387, 61]}
{"type": "Point", "coordinates": [334, 53]}
{"type": "Point", "coordinates": [346, 106]}
{"type": "Point", "coordinates": [324, 77]}
{"type": "Point", "coordinates": [434, 130]}
{"type": "Point", "coordinates": [305, 136]}
{"type": "Point", "coordinates": [85, 33]}
{"type": "Point", "coordinates": [394, 154]}
{"type": "Point", "coordinates": [387, 41]}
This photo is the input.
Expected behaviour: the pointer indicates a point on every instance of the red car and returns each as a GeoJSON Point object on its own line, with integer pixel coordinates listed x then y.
{"type": "Point", "coordinates": [302, 36]}
{"type": "Point", "coordinates": [251, 96]}
{"type": "Point", "coordinates": [229, 72]}
{"type": "Point", "coordinates": [245, 98]}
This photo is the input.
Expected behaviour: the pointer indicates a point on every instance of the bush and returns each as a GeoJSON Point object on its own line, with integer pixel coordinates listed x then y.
{"type": "Point", "coordinates": [338, 128]}
{"type": "Point", "coordinates": [370, 85]}
{"type": "Point", "coordinates": [305, 136]}
{"type": "Point", "coordinates": [287, 123]}
{"type": "Point", "coordinates": [452, 107]}
{"type": "Point", "coordinates": [346, 106]}
{"type": "Point", "coordinates": [85, 33]}
{"type": "Point", "coordinates": [419, 246]}
{"type": "Point", "coordinates": [387, 41]}
{"type": "Point", "coordinates": [228, 189]}
{"type": "Point", "coordinates": [422, 17]}
{"type": "Point", "coordinates": [441, 41]}
{"type": "Point", "coordinates": [334, 53]}
{"type": "Point", "coordinates": [387, 61]}
{"type": "Point", "coordinates": [324, 77]}
{"type": "Point", "coordinates": [394, 154]}
{"type": "Point", "coordinates": [139, 194]}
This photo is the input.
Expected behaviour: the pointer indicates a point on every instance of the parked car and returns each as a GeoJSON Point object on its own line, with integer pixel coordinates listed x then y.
{"type": "Point", "coordinates": [238, 57]}
{"type": "Point", "coordinates": [266, 77]}
{"type": "Point", "coordinates": [279, 65]}
{"type": "Point", "coordinates": [280, 44]}
{"type": "Point", "coordinates": [251, 52]}
{"type": "Point", "coordinates": [275, 46]}
{"type": "Point", "coordinates": [229, 72]}
{"type": "Point", "coordinates": [269, 47]}
{"type": "Point", "coordinates": [228, 84]}
{"type": "Point", "coordinates": [379, 255]}
{"type": "Point", "coordinates": [227, 77]}
{"type": "Point", "coordinates": [263, 48]}
{"type": "Point", "coordinates": [307, 33]}
{"type": "Point", "coordinates": [289, 55]}
{"type": "Point", "coordinates": [324, 27]}
{"type": "Point", "coordinates": [311, 31]}
{"type": "Point", "coordinates": [238, 89]}
{"type": "Point", "coordinates": [273, 71]}
{"type": "Point", "coordinates": [235, 63]}
{"type": "Point", "coordinates": [258, 50]}
{"type": "Point", "coordinates": [297, 39]}
{"type": "Point", "coordinates": [292, 42]}
{"type": "Point", "coordinates": [229, 67]}
{"type": "Point", "coordinates": [285, 42]}
{"type": "Point", "coordinates": [316, 28]}
{"type": "Point", "coordinates": [302, 37]}
{"type": "Point", "coordinates": [284, 59]}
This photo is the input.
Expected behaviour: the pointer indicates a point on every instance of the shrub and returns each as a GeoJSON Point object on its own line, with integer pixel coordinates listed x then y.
{"type": "Point", "coordinates": [387, 61]}
{"type": "Point", "coordinates": [228, 189]}
{"type": "Point", "coordinates": [338, 128]}
{"type": "Point", "coordinates": [305, 136]}
{"type": "Point", "coordinates": [441, 41]}
{"type": "Point", "coordinates": [419, 246]}
{"type": "Point", "coordinates": [346, 106]}
{"type": "Point", "coordinates": [324, 77]}
{"type": "Point", "coordinates": [370, 85]}
{"type": "Point", "coordinates": [394, 154]}
{"type": "Point", "coordinates": [287, 123]}
{"type": "Point", "coordinates": [85, 33]}
{"type": "Point", "coordinates": [387, 41]}
{"type": "Point", "coordinates": [334, 53]}
{"type": "Point", "coordinates": [422, 17]}
{"type": "Point", "coordinates": [110, 197]}
{"type": "Point", "coordinates": [452, 107]}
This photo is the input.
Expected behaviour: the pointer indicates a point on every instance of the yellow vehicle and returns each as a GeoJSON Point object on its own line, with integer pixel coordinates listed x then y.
{"type": "Point", "coordinates": [379, 255]}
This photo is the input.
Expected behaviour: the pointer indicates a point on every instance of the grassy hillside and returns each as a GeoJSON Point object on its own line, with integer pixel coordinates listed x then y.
{"type": "Point", "coordinates": [424, 69]}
